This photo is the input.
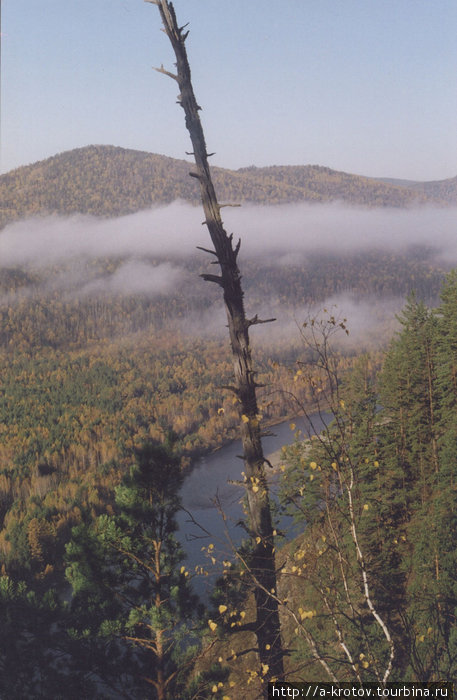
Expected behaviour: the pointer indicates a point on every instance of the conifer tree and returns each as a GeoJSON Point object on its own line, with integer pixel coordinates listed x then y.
{"type": "Point", "coordinates": [417, 445]}
{"type": "Point", "coordinates": [129, 582]}
{"type": "Point", "coordinates": [409, 396]}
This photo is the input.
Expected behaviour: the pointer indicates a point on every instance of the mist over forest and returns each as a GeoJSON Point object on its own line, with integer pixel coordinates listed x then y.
{"type": "Point", "coordinates": [115, 376]}
{"type": "Point", "coordinates": [282, 231]}
{"type": "Point", "coordinates": [153, 254]}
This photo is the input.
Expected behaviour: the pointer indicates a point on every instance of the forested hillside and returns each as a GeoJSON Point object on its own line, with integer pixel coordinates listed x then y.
{"type": "Point", "coordinates": [90, 371]}
{"type": "Point", "coordinates": [87, 378]}
{"type": "Point", "coordinates": [442, 190]}
{"type": "Point", "coordinates": [108, 181]}
{"type": "Point", "coordinates": [367, 587]}
{"type": "Point", "coordinates": [114, 368]}
{"type": "Point", "coordinates": [445, 190]}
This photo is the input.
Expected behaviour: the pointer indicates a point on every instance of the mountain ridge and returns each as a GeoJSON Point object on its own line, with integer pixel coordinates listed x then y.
{"type": "Point", "coordinates": [111, 181]}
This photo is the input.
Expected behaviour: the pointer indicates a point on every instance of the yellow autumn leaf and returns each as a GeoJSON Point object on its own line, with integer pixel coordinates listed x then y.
{"type": "Point", "coordinates": [222, 609]}
{"type": "Point", "coordinates": [265, 669]}
{"type": "Point", "coordinates": [244, 418]}
{"type": "Point", "coordinates": [292, 426]}
{"type": "Point", "coordinates": [212, 625]}
{"type": "Point", "coordinates": [313, 465]}
{"type": "Point", "coordinates": [366, 506]}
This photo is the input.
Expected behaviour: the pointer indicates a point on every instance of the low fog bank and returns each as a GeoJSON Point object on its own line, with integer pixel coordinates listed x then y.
{"type": "Point", "coordinates": [131, 277]}
{"type": "Point", "coordinates": [136, 277]}
{"type": "Point", "coordinates": [285, 231]}
{"type": "Point", "coordinates": [150, 253]}
{"type": "Point", "coordinates": [370, 322]}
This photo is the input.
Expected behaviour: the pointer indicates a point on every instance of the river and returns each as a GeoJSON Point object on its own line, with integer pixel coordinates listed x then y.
{"type": "Point", "coordinates": [201, 522]}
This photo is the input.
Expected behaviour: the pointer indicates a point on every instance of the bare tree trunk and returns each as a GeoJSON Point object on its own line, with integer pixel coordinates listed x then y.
{"type": "Point", "coordinates": [259, 520]}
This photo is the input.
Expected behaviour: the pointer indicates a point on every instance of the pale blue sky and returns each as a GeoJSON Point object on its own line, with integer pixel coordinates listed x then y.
{"type": "Point", "coordinates": [365, 86]}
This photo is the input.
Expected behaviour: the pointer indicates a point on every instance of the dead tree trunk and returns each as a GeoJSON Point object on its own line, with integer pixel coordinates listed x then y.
{"type": "Point", "coordinates": [259, 512]}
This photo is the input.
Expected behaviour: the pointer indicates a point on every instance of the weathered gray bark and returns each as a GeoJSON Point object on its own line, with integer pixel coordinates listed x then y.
{"type": "Point", "coordinates": [262, 563]}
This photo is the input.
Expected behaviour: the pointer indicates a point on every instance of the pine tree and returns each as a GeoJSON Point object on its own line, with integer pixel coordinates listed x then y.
{"type": "Point", "coordinates": [129, 581]}
{"type": "Point", "coordinates": [410, 400]}
{"type": "Point", "coordinates": [417, 444]}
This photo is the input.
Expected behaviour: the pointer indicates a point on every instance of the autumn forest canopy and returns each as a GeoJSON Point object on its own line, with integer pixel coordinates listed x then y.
{"type": "Point", "coordinates": [114, 368]}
